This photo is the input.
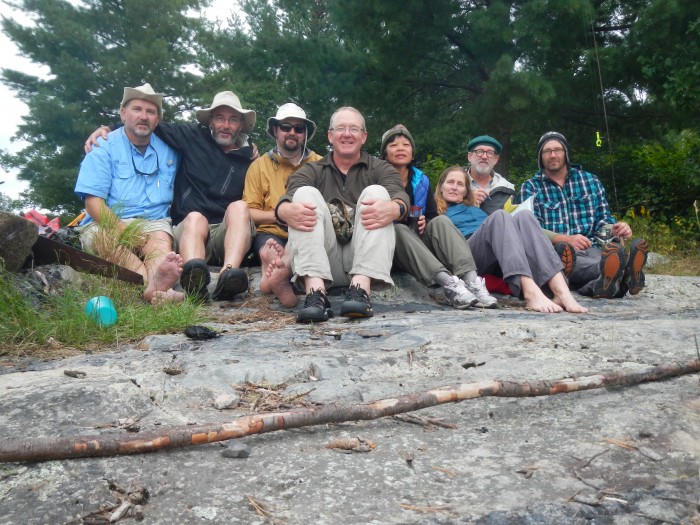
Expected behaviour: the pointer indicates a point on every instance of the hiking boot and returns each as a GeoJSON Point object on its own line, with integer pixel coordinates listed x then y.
{"type": "Point", "coordinates": [231, 282]}
{"type": "Point", "coordinates": [317, 308]}
{"type": "Point", "coordinates": [567, 254]}
{"type": "Point", "coordinates": [612, 266]}
{"type": "Point", "coordinates": [484, 298]}
{"type": "Point", "coordinates": [356, 303]}
{"type": "Point", "coordinates": [458, 295]}
{"type": "Point", "coordinates": [634, 276]}
{"type": "Point", "coordinates": [195, 278]}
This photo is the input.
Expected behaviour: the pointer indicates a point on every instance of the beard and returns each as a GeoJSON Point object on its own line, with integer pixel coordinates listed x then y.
{"type": "Point", "coordinates": [225, 141]}
{"type": "Point", "coordinates": [290, 146]}
{"type": "Point", "coordinates": [482, 169]}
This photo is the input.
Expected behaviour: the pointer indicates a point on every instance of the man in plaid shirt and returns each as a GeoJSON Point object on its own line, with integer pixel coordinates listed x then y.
{"type": "Point", "coordinates": [571, 204]}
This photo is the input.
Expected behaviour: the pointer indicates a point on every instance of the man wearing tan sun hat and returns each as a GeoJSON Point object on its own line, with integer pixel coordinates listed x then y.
{"type": "Point", "coordinates": [212, 222]}
{"type": "Point", "coordinates": [265, 183]}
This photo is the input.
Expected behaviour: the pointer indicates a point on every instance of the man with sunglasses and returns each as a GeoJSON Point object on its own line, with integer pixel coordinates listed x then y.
{"type": "Point", "coordinates": [212, 221]}
{"type": "Point", "coordinates": [265, 183]}
{"type": "Point", "coordinates": [571, 203]}
{"type": "Point", "coordinates": [131, 177]}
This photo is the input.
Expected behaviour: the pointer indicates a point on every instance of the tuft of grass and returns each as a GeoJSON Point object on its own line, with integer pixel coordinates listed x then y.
{"type": "Point", "coordinates": [680, 264]}
{"type": "Point", "coordinates": [59, 326]}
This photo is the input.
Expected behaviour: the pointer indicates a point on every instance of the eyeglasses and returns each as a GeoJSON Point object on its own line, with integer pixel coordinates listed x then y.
{"type": "Point", "coordinates": [488, 153]}
{"type": "Point", "coordinates": [220, 119]}
{"type": "Point", "coordinates": [138, 171]}
{"type": "Point", "coordinates": [556, 151]}
{"type": "Point", "coordinates": [353, 130]}
{"type": "Point", "coordinates": [298, 128]}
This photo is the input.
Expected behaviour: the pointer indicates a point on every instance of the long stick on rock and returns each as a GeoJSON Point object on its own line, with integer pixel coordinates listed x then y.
{"type": "Point", "coordinates": [40, 449]}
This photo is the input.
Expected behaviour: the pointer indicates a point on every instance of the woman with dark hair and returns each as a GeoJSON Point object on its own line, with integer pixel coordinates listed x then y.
{"type": "Point", "coordinates": [511, 245]}
{"type": "Point", "coordinates": [436, 253]}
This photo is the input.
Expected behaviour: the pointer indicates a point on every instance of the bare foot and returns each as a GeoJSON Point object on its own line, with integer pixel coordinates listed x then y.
{"type": "Point", "coordinates": [270, 252]}
{"type": "Point", "coordinates": [166, 275]}
{"type": "Point", "coordinates": [278, 273]}
{"type": "Point", "coordinates": [568, 303]}
{"type": "Point", "coordinates": [169, 296]}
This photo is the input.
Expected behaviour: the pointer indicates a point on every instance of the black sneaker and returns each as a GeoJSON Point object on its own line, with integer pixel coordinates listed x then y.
{"type": "Point", "coordinates": [317, 308]}
{"type": "Point", "coordinates": [612, 266]}
{"type": "Point", "coordinates": [356, 303]}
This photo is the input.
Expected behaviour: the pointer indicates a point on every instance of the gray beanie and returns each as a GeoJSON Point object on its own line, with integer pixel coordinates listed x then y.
{"type": "Point", "coordinates": [552, 135]}
{"type": "Point", "coordinates": [389, 134]}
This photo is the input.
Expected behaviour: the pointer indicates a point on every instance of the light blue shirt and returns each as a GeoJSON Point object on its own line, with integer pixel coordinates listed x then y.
{"type": "Point", "coordinates": [110, 172]}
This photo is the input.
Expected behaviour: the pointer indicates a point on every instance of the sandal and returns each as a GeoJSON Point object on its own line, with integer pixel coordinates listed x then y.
{"type": "Point", "coordinates": [195, 278]}
{"type": "Point", "coordinates": [231, 282]}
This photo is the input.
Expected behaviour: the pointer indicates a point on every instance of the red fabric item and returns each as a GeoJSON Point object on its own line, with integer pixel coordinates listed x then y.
{"type": "Point", "coordinates": [497, 285]}
{"type": "Point", "coordinates": [46, 227]}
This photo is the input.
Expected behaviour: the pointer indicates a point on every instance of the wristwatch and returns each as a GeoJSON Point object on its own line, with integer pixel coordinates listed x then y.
{"type": "Point", "coordinates": [402, 209]}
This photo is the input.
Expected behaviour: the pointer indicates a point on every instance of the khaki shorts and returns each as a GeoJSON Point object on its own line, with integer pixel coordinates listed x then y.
{"type": "Point", "coordinates": [214, 247]}
{"type": "Point", "coordinates": [88, 231]}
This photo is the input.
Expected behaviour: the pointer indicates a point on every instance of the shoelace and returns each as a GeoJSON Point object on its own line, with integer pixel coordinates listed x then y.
{"type": "Point", "coordinates": [316, 298]}
{"type": "Point", "coordinates": [356, 293]}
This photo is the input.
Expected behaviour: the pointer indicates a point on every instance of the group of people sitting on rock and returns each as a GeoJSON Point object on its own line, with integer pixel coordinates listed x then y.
{"type": "Point", "coordinates": [347, 218]}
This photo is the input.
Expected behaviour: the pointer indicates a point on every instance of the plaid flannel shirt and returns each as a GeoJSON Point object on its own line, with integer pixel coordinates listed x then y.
{"type": "Point", "coordinates": [580, 207]}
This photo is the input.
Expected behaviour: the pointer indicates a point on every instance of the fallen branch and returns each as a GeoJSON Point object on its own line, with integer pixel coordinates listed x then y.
{"type": "Point", "coordinates": [39, 449]}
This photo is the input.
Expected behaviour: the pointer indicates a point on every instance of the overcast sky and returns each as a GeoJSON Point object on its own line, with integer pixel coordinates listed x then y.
{"type": "Point", "coordinates": [14, 109]}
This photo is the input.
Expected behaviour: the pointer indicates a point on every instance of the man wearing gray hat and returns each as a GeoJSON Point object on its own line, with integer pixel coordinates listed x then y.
{"type": "Point", "coordinates": [212, 221]}
{"type": "Point", "coordinates": [571, 203]}
{"type": "Point", "coordinates": [131, 177]}
{"type": "Point", "coordinates": [265, 183]}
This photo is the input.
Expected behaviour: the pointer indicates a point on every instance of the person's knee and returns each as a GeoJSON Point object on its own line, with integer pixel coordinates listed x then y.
{"type": "Point", "coordinates": [375, 191]}
{"type": "Point", "coordinates": [237, 210]}
{"type": "Point", "coordinates": [195, 221]}
{"type": "Point", "coordinates": [307, 194]}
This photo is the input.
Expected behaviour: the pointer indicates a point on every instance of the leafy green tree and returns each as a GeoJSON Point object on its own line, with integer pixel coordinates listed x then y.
{"type": "Point", "coordinates": [92, 51]}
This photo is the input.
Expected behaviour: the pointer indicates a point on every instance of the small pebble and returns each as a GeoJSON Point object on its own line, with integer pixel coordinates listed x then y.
{"type": "Point", "coordinates": [225, 401]}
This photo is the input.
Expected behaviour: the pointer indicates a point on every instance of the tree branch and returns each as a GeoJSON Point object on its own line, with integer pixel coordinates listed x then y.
{"type": "Point", "coordinates": [41, 449]}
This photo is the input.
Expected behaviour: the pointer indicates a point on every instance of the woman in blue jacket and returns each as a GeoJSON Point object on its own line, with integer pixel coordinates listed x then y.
{"type": "Point", "coordinates": [511, 245]}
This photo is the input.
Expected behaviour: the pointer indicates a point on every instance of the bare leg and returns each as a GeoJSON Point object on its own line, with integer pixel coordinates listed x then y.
{"type": "Point", "coordinates": [535, 299]}
{"type": "Point", "coordinates": [270, 252]}
{"type": "Point", "coordinates": [562, 295]}
{"type": "Point", "coordinates": [238, 237]}
{"type": "Point", "coordinates": [194, 236]}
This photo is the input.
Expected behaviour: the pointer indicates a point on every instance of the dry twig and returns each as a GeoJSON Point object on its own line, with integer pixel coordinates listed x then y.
{"type": "Point", "coordinates": [38, 449]}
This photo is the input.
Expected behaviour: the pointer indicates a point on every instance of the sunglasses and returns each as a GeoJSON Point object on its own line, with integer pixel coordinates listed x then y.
{"type": "Point", "coordinates": [145, 174]}
{"type": "Point", "coordinates": [299, 128]}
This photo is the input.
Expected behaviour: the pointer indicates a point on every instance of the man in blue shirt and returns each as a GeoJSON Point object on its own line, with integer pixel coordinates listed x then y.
{"type": "Point", "coordinates": [571, 202]}
{"type": "Point", "coordinates": [212, 222]}
{"type": "Point", "coordinates": [131, 177]}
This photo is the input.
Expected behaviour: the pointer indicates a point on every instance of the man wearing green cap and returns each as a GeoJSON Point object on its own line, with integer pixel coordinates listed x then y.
{"type": "Point", "coordinates": [491, 190]}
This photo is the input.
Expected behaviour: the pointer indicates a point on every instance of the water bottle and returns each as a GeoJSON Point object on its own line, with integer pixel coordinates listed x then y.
{"type": "Point", "coordinates": [101, 310]}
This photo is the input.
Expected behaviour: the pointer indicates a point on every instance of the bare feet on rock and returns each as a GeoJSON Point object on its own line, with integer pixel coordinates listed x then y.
{"type": "Point", "coordinates": [165, 276]}
{"type": "Point", "coordinates": [278, 273]}
{"type": "Point", "coordinates": [568, 303]}
{"type": "Point", "coordinates": [270, 252]}
{"type": "Point", "coordinates": [169, 296]}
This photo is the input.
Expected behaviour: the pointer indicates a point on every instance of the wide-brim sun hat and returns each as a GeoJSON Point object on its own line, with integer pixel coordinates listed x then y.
{"type": "Point", "coordinates": [291, 110]}
{"type": "Point", "coordinates": [228, 98]}
{"type": "Point", "coordinates": [144, 92]}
